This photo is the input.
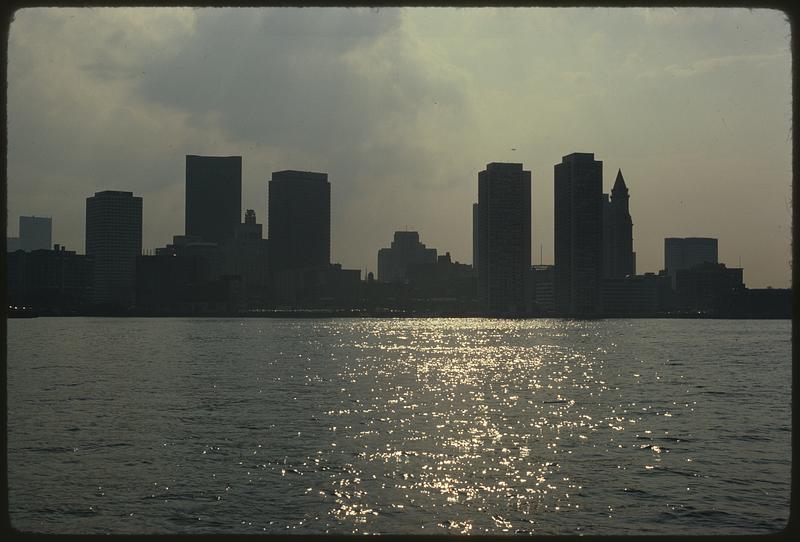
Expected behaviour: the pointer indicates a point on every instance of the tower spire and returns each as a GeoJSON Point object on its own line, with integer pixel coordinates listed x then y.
{"type": "Point", "coordinates": [619, 183]}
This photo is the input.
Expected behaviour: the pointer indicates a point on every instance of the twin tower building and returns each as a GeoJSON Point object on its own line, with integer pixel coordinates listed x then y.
{"type": "Point", "coordinates": [593, 236]}
{"type": "Point", "coordinates": [299, 209]}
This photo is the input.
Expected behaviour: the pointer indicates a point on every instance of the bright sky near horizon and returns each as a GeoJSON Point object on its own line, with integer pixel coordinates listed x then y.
{"type": "Point", "coordinates": [403, 107]}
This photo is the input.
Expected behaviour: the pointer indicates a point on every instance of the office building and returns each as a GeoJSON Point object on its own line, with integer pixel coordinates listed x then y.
{"type": "Point", "coordinates": [710, 288]}
{"type": "Point", "coordinates": [247, 256]}
{"type": "Point", "coordinates": [213, 197]}
{"type": "Point", "coordinates": [765, 303]}
{"type": "Point", "coordinates": [299, 221]}
{"type": "Point", "coordinates": [207, 277]}
{"type": "Point", "coordinates": [35, 233]}
{"type": "Point", "coordinates": [619, 260]}
{"type": "Point", "coordinates": [57, 281]}
{"type": "Point", "coordinates": [685, 253]}
{"type": "Point", "coordinates": [578, 234]}
{"type": "Point", "coordinates": [504, 238]}
{"type": "Point", "coordinates": [543, 288]}
{"type": "Point", "coordinates": [632, 295]}
{"type": "Point", "coordinates": [442, 280]}
{"type": "Point", "coordinates": [475, 217]}
{"type": "Point", "coordinates": [114, 240]}
{"type": "Point", "coordinates": [405, 250]}
{"type": "Point", "coordinates": [172, 283]}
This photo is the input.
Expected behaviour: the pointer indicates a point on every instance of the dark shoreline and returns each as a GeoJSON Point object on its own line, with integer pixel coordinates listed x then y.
{"type": "Point", "coordinates": [319, 314]}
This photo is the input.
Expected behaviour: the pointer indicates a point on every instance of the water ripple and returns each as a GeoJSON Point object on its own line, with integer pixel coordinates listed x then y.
{"type": "Point", "coordinates": [460, 426]}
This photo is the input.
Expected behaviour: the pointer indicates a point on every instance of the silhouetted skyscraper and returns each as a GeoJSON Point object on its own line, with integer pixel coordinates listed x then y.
{"type": "Point", "coordinates": [299, 219]}
{"type": "Point", "coordinates": [619, 260]}
{"type": "Point", "coordinates": [114, 240]}
{"type": "Point", "coordinates": [213, 196]}
{"type": "Point", "coordinates": [685, 253]}
{"type": "Point", "coordinates": [504, 237]}
{"type": "Point", "coordinates": [35, 233]}
{"type": "Point", "coordinates": [406, 250]}
{"type": "Point", "coordinates": [578, 234]}
{"type": "Point", "coordinates": [475, 218]}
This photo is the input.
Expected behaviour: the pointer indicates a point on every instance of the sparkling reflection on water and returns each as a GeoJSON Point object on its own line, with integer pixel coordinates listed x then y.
{"type": "Point", "coordinates": [399, 426]}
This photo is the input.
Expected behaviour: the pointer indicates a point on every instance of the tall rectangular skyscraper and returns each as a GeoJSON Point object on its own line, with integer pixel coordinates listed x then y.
{"type": "Point", "coordinates": [35, 233]}
{"type": "Point", "coordinates": [475, 218]}
{"type": "Point", "coordinates": [114, 240]}
{"type": "Point", "coordinates": [578, 234]}
{"type": "Point", "coordinates": [504, 237]}
{"type": "Point", "coordinates": [213, 196]}
{"type": "Point", "coordinates": [299, 221]}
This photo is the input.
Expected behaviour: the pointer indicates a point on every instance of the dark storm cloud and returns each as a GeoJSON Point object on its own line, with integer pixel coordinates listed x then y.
{"type": "Point", "coordinates": [280, 77]}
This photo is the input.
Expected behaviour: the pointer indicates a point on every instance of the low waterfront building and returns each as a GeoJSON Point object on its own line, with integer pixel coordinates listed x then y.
{"type": "Point", "coordinates": [710, 288]}
{"type": "Point", "coordinates": [57, 280]}
{"type": "Point", "coordinates": [634, 295]}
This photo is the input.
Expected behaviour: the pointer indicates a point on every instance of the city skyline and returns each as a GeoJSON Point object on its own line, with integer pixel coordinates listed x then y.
{"type": "Point", "coordinates": [389, 169]}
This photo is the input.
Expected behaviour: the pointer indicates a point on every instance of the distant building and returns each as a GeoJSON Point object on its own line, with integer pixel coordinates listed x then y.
{"type": "Point", "coordinates": [765, 303]}
{"type": "Point", "coordinates": [13, 244]}
{"type": "Point", "coordinates": [213, 196]}
{"type": "Point", "coordinates": [475, 218]}
{"type": "Point", "coordinates": [543, 286]}
{"type": "Point", "coordinates": [314, 287]}
{"type": "Point", "coordinates": [442, 280]}
{"type": "Point", "coordinates": [195, 246]}
{"type": "Point", "coordinates": [405, 250]}
{"type": "Point", "coordinates": [202, 276]}
{"type": "Point", "coordinates": [578, 234]}
{"type": "Point", "coordinates": [249, 230]}
{"type": "Point", "coordinates": [684, 253]}
{"type": "Point", "coordinates": [619, 260]}
{"type": "Point", "coordinates": [632, 295]}
{"type": "Point", "coordinates": [35, 233]}
{"type": "Point", "coordinates": [341, 287]}
{"type": "Point", "coordinates": [709, 288]}
{"type": "Point", "coordinates": [504, 238]}
{"type": "Point", "coordinates": [247, 255]}
{"type": "Point", "coordinates": [58, 279]}
{"type": "Point", "coordinates": [114, 240]}
{"type": "Point", "coordinates": [299, 220]}
{"type": "Point", "coordinates": [172, 283]}
{"type": "Point", "coordinates": [209, 261]}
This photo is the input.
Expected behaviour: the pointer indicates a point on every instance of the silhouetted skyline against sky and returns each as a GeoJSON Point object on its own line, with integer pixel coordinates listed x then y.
{"type": "Point", "coordinates": [402, 108]}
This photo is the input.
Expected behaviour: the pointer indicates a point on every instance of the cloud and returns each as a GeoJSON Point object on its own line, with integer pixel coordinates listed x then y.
{"type": "Point", "coordinates": [707, 65]}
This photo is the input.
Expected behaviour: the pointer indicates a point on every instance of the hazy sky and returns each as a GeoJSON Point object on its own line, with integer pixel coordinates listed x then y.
{"type": "Point", "coordinates": [402, 108]}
